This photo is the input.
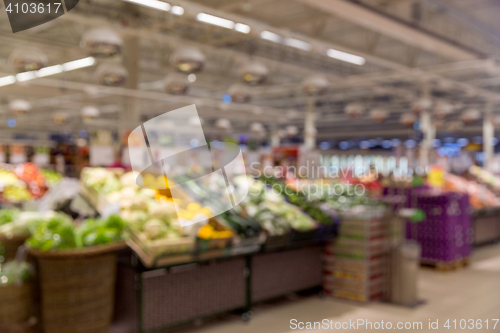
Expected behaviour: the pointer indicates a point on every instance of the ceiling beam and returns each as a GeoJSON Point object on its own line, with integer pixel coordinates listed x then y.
{"type": "Point", "coordinates": [389, 27]}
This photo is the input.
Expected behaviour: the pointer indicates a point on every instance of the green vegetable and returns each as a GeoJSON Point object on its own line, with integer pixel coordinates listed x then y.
{"type": "Point", "coordinates": [8, 215]}
{"type": "Point", "coordinates": [56, 233]}
{"type": "Point", "coordinates": [52, 177]}
{"type": "Point", "coordinates": [100, 231]}
{"type": "Point", "coordinates": [59, 233]}
{"type": "Point", "coordinates": [15, 272]}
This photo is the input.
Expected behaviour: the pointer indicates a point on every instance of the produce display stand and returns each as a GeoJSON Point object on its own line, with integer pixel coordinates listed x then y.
{"type": "Point", "coordinates": [181, 289]}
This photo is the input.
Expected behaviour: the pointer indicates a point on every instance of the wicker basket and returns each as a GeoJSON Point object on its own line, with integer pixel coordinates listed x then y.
{"type": "Point", "coordinates": [77, 288]}
{"type": "Point", "coordinates": [16, 304]}
{"type": "Point", "coordinates": [11, 245]}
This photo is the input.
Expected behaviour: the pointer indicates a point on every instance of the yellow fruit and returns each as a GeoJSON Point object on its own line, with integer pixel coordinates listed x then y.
{"type": "Point", "coordinates": [194, 206]}
{"type": "Point", "coordinates": [206, 211]}
{"type": "Point", "coordinates": [186, 214]}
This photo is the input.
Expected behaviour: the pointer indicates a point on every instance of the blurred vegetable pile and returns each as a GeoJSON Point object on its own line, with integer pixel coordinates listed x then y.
{"type": "Point", "coordinates": [271, 210]}
{"type": "Point", "coordinates": [59, 233]}
{"type": "Point", "coordinates": [15, 272]}
{"type": "Point", "coordinates": [8, 215]}
{"type": "Point", "coordinates": [312, 208]}
{"type": "Point", "coordinates": [51, 177]}
{"type": "Point", "coordinates": [100, 179]}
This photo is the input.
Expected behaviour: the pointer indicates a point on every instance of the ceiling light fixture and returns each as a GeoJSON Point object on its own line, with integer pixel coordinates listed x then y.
{"type": "Point", "coordinates": [215, 20]}
{"type": "Point", "coordinates": [298, 44]}
{"type": "Point", "coordinates": [6, 80]}
{"type": "Point", "coordinates": [85, 62]}
{"type": "Point", "coordinates": [347, 57]}
{"type": "Point", "coordinates": [242, 28]}
{"type": "Point", "coordinates": [152, 4]}
{"type": "Point", "coordinates": [177, 10]}
{"type": "Point", "coordinates": [271, 36]}
{"type": "Point", "coordinates": [26, 76]}
{"type": "Point", "coordinates": [46, 71]}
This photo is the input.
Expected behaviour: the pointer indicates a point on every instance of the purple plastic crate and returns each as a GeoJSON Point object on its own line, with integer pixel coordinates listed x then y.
{"type": "Point", "coordinates": [446, 234]}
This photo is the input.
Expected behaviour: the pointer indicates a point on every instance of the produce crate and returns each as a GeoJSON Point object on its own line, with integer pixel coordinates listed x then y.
{"type": "Point", "coordinates": [95, 198]}
{"type": "Point", "coordinates": [203, 245]}
{"type": "Point", "coordinates": [162, 247]}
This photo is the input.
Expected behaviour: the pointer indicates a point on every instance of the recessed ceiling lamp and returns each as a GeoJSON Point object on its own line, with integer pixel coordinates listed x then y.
{"type": "Point", "coordinates": [89, 112]}
{"type": "Point", "coordinates": [223, 124]}
{"type": "Point", "coordinates": [292, 130]}
{"type": "Point", "coordinates": [102, 42]}
{"type": "Point", "coordinates": [470, 115]}
{"type": "Point", "coordinates": [257, 128]}
{"type": "Point", "coordinates": [60, 118]}
{"type": "Point", "coordinates": [188, 60]}
{"type": "Point", "coordinates": [443, 109]}
{"type": "Point", "coordinates": [176, 84]}
{"type": "Point", "coordinates": [315, 85]}
{"type": "Point", "coordinates": [454, 126]}
{"type": "Point", "coordinates": [496, 120]}
{"type": "Point", "coordinates": [195, 121]}
{"type": "Point", "coordinates": [408, 119]}
{"type": "Point", "coordinates": [113, 75]}
{"type": "Point", "coordinates": [379, 115]}
{"type": "Point", "coordinates": [354, 110]}
{"type": "Point", "coordinates": [239, 93]}
{"type": "Point", "coordinates": [27, 59]}
{"type": "Point", "coordinates": [254, 73]}
{"type": "Point", "coordinates": [19, 106]}
{"type": "Point", "coordinates": [421, 105]}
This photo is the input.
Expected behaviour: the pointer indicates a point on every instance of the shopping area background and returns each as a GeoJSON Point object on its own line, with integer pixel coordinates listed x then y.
{"type": "Point", "coordinates": [250, 166]}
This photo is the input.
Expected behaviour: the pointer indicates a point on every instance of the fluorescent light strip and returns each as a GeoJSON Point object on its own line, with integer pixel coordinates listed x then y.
{"type": "Point", "coordinates": [177, 10]}
{"type": "Point", "coordinates": [215, 20]}
{"type": "Point", "coordinates": [268, 35]}
{"type": "Point", "coordinates": [347, 57]}
{"type": "Point", "coordinates": [85, 62]}
{"type": "Point", "coordinates": [298, 44]}
{"type": "Point", "coordinates": [6, 80]}
{"type": "Point", "coordinates": [26, 76]}
{"type": "Point", "coordinates": [152, 4]}
{"type": "Point", "coordinates": [242, 28]}
{"type": "Point", "coordinates": [46, 71]}
{"type": "Point", "coordinates": [50, 70]}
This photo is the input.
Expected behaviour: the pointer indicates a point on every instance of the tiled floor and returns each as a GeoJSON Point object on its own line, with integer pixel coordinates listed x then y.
{"type": "Point", "coordinates": [470, 293]}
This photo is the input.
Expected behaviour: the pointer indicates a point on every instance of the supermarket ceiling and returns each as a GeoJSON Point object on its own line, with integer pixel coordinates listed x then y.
{"type": "Point", "coordinates": [446, 47]}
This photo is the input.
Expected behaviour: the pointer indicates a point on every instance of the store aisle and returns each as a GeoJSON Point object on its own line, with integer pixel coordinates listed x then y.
{"type": "Point", "coordinates": [471, 293]}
